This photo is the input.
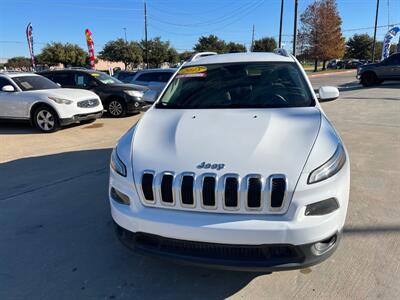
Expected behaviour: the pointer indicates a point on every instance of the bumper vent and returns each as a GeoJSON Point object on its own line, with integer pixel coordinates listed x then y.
{"type": "Point", "coordinates": [211, 192]}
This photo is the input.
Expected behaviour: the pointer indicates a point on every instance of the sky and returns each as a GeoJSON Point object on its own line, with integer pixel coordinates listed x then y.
{"type": "Point", "coordinates": [181, 22]}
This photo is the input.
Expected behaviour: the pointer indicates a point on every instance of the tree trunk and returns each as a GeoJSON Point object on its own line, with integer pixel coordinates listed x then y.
{"type": "Point", "coordinates": [126, 65]}
{"type": "Point", "coordinates": [316, 65]}
{"type": "Point", "coordinates": [324, 65]}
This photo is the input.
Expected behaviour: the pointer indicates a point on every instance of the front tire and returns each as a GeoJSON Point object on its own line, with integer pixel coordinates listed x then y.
{"type": "Point", "coordinates": [46, 119]}
{"type": "Point", "coordinates": [369, 79]}
{"type": "Point", "coordinates": [116, 108]}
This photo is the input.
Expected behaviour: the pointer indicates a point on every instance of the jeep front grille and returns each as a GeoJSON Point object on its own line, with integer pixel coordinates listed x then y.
{"type": "Point", "coordinates": [209, 192]}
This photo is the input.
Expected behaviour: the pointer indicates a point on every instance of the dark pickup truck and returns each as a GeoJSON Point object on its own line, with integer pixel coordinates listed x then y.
{"type": "Point", "coordinates": [373, 74]}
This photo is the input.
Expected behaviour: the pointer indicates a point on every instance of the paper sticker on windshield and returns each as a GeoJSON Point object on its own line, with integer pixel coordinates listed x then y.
{"type": "Point", "coordinates": [191, 75]}
{"type": "Point", "coordinates": [193, 70]}
{"type": "Point", "coordinates": [94, 74]}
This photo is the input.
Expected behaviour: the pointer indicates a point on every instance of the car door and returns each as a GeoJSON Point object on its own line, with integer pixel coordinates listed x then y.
{"type": "Point", "coordinates": [389, 67]}
{"type": "Point", "coordinates": [12, 104]}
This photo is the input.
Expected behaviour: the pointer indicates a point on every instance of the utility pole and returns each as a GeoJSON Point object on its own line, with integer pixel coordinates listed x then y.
{"type": "Point", "coordinates": [376, 24]}
{"type": "Point", "coordinates": [280, 26]}
{"type": "Point", "coordinates": [126, 41]}
{"type": "Point", "coordinates": [145, 36]}
{"type": "Point", "coordinates": [252, 40]}
{"type": "Point", "coordinates": [296, 3]}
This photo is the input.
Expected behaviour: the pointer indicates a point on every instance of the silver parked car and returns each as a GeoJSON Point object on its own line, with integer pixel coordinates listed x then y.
{"type": "Point", "coordinates": [154, 79]}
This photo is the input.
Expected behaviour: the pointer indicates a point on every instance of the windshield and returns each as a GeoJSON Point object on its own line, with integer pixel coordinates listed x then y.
{"type": "Point", "coordinates": [104, 78]}
{"type": "Point", "coordinates": [32, 83]}
{"type": "Point", "coordinates": [238, 85]}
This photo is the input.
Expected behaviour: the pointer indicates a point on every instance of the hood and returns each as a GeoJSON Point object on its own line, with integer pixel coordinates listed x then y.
{"type": "Point", "coordinates": [70, 94]}
{"type": "Point", "coordinates": [262, 141]}
{"type": "Point", "coordinates": [126, 86]}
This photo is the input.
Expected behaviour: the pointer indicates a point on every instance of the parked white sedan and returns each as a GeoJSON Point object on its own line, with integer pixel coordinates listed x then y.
{"type": "Point", "coordinates": [27, 96]}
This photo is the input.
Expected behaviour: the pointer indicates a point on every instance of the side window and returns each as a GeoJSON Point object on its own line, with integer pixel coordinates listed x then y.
{"type": "Point", "coordinates": [394, 60]}
{"type": "Point", "coordinates": [145, 77]}
{"type": "Point", "coordinates": [165, 76]}
{"type": "Point", "coordinates": [4, 82]}
{"type": "Point", "coordinates": [84, 80]}
{"type": "Point", "coordinates": [64, 79]}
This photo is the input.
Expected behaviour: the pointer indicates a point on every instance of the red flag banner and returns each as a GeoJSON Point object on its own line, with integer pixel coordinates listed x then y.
{"type": "Point", "coordinates": [90, 44]}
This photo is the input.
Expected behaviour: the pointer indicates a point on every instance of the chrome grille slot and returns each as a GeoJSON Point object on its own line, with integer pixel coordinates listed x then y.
{"type": "Point", "coordinates": [147, 186]}
{"type": "Point", "coordinates": [231, 192]}
{"type": "Point", "coordinates": [254, 193]}
{"type": "Point", "coordinates": [208, 191]}
{"type": "Point", "coordinates": [278, 187]}
{"type": "Point", "coordinates": [166, 188]}
{"type": "Point", "coordinates": [187, 195]}
{"type": "Point", "coordinates": [222, 193]}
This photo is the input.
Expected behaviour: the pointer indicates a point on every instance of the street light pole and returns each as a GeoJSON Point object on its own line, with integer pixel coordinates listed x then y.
{"type": "Point", "coordinates": [145, 35]}
{"type": "Point", "coordinates": [280, 26]}
{"type": "Point", "coordinates": [296, 3]}
{"type": "Point", "coordinates": [376, 24]}
{"type": "Point", "coordinates": [125, 34]}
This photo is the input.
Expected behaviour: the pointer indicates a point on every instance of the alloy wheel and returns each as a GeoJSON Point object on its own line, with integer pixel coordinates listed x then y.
{"type": "Point", "coordinates": [45, 120]}
{"type": "Point", "coordinates": [115, 108]}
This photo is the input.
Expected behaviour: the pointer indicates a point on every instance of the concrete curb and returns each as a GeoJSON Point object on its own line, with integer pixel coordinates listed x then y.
{"type": "Point", "coordinates": [328, 74]}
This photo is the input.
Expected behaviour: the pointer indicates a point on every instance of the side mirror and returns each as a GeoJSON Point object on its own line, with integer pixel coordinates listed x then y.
{"type": "Point", "coordinates": [150, 96]}
{"type": "Point", "coordinates": [8, 88]}
{"type": "Point", "coordinates": [328, 93]}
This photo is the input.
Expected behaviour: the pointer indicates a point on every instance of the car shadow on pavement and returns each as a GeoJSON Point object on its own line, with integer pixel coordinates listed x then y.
{"type": "Point", "coordinates": [58, 239]}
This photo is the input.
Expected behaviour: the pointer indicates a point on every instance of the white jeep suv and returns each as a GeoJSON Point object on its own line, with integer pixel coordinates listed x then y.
{"type": "Point", "coordinates": [236, 166]}
{"type": "Point", "coordinates": [27, 96]}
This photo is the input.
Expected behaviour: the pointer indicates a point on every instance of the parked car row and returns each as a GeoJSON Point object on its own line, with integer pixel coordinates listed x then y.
{"type": "Point", "coordinates": [345, 64]}
{"type": "Point", "coordinates": [55, 98]}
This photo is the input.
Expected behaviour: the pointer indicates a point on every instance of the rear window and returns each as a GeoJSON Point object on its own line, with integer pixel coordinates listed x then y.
{"type": "Point", "coordinates": [238, 85]}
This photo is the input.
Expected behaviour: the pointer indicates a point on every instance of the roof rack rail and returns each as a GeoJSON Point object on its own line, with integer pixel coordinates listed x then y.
{"type": "Point", "coordinates": [196, 56]}
{"type": "Point", "coordinates": [281, 51]}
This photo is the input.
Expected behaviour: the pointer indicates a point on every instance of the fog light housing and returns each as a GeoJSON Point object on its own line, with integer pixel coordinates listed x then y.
{"type": "Point", "coordinates": [322, 207]}
{"type": "Point", "coordinates": [324, 246]}
{"type": "Point", "coordinates": [119, 196]}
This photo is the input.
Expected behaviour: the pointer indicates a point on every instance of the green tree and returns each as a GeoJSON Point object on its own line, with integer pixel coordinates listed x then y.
{"type": "Point", "coordinates": [19, 62]}
{"type": "Point", "coordinates": [66, 54]}
{"type": "Point", "coordinates": [266, 44]}
{"type": "Point", "coordinates": [359, 46]}
{"type": "Point", "coordinates": [52, 54]}
{"type": "Point", "coordinates": [130, 53]}
{"type": "Point", "coordinates": [210, 43]}
{"type": "Point", "coordinates": [184, 56]}
{"type": "Point", "coordinates": [232, 47]}
{"type": "Point", "coordinates": [159, 51]}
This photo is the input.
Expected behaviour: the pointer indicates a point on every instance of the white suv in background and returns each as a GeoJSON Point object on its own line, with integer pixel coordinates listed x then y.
{"type": "Point", "coordinates": [235, 165]}
{"type": "Point", "coordinates": [27, 96]}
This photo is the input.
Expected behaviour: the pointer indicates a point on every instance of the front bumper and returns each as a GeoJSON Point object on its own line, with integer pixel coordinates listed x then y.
{"type": "Point", "coordinates": [258, 258]}
{"type": "Point", "coordinates": [80, 117]}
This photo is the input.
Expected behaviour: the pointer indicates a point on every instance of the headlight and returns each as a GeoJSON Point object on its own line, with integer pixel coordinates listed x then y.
{"type": "Point", "coordinates": [116, 163]}
{"type": "Point", "coordinates": [330, 168]}
{"type": "Point", "coordinates": [137, 94]}
{"type": "Point", "coordinates": [60, 100]}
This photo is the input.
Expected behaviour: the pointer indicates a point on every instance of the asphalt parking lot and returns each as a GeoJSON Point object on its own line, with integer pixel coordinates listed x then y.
{"type": "Point", "coordinates": [57, 240]}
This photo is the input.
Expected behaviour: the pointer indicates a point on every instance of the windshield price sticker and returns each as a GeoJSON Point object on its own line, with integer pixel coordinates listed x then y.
{"type": "Point", "coordinates": [95, 74]}
{"type": "Point", "coordinates": [192, 70]}
{"type": "Point", "coordinates": [191, 75]}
